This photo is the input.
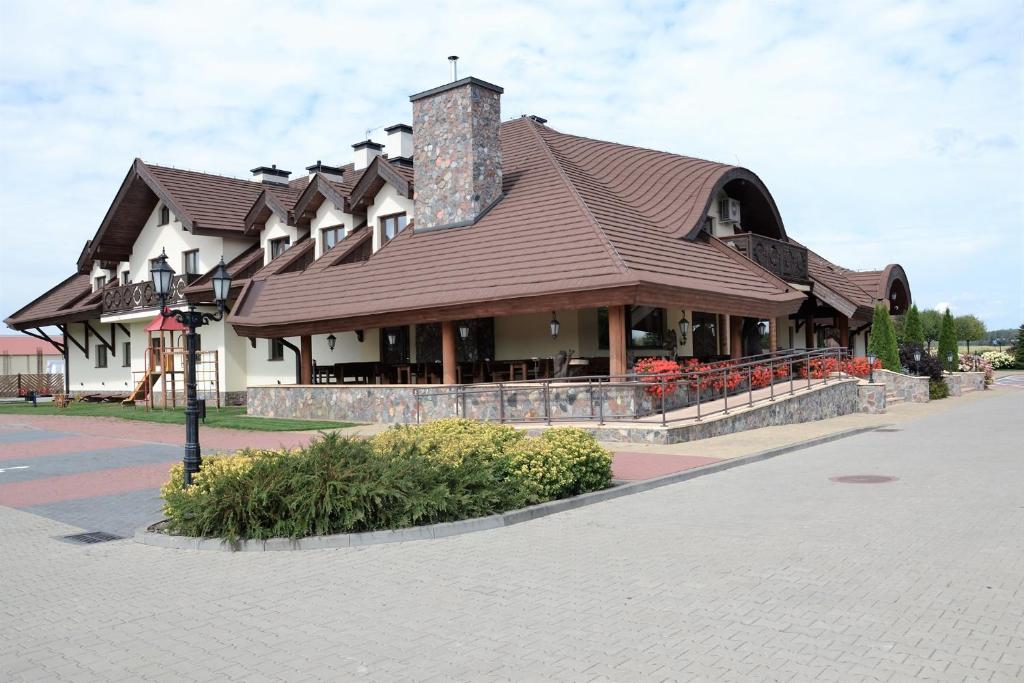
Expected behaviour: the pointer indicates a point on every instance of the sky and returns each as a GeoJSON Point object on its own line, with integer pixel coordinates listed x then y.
{"type": "Point", "coordinates": [885, 131]}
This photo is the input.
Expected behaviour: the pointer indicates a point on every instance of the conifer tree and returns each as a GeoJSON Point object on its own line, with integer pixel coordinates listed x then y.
{"type": "Point", "coordinates": [1019, 348]}
{"type": "Point", "coordinates": [882, 343]}
{"type": "Point", "coordinates": [949, 354]}
{"type": "Point", "coordinates": [914, 330]}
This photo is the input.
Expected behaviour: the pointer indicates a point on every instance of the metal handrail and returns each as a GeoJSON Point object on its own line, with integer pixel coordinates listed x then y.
{"type": "Point", "coordinates": [602, 383]}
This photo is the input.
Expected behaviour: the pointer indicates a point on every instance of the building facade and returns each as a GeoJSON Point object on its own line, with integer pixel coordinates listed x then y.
{"type": "Point", "coordinates": [462, 249]}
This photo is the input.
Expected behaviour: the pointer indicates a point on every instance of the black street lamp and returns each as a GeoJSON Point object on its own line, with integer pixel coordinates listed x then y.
{"type": "Point", "coordinates": [162, 275]}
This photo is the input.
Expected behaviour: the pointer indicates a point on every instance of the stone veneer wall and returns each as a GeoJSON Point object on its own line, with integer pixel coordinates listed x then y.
{"type": "Point", "coordinates": [831, 400]}
{"type": "Point", "coordinates": [458, 153]}
{"type": "Point", "coordinates": [909, 388]}
{"type": "Point", "coordinates": [872, 398]}
{"type": "Point", "coordinates": [959, 382]}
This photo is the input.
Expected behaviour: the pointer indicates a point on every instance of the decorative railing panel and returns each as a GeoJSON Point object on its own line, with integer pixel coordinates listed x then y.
{"type": "Point", "coordinates": [140, 295]}
{"type": "Point", "coordinates": [21, 384]}
{"type": "Point", "coordinates": [787, 260]}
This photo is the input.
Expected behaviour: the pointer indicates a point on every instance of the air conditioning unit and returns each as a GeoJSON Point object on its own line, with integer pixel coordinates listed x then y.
{"type": "Point", "coordinates": [729, 210]}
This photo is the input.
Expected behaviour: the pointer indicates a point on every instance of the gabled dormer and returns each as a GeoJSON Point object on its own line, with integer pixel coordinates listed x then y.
{"type": "Point", "coordinates": [384, 198]}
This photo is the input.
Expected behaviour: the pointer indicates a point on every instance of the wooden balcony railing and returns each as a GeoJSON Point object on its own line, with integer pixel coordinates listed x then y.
{"type": "Point", "coordinates": [787, 260]}
{"type": "Point", "coordinates": [140, 295]}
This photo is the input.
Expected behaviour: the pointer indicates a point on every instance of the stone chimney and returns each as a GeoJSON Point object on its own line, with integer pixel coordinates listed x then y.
{"type": "Point", "coordinates": [457, 174]}
{"type": "Point", "coordinates": [366, 151]}
{"type": "Point", "coordinates": [399, 141]}
{"type": "Point", "coordinates": [271, 175]}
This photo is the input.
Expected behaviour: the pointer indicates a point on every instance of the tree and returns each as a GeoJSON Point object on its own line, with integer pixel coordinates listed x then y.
{"type": "Point", "coordinates": [931, 325]}
{"type": "Point", "coordinates": [969, 328]}
{"type": "Point", "coordinates": [949, 354]}
{"type": "Point", "coordinates": [913, 331]}
{"type": "Point", "coordinates": [1019, 348]}
{"type": "Point", "coordinates": [882, 343]}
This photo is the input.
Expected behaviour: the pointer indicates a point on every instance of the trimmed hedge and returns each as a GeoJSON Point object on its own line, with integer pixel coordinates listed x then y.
{"type": "Point", "coordinates": [407, 476]}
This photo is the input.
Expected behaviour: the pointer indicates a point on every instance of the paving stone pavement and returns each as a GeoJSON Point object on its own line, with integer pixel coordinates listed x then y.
{"type": "Point", "coordinates": [769, 571]}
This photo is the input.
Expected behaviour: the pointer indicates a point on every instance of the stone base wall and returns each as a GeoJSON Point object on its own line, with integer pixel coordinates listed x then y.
{"type": "Point", "coordinates": [871, 398]}
{"type": "Point", "coordinates": [406, 404]}
{"type": "Point", "coordinates": [832, 400]}
{"type": "Point", "coordinates": [911, 389]}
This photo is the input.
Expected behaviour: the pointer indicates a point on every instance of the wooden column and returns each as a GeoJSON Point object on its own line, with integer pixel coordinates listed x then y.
{"type": "Point", "coordinates": [843, 323]}
{"type": "Point", "coordinates": [773, 335]}
{"type": "Point", "coordinates": [617, 340]}
{"type": "Point", "coordinates": [306, 356]}
{"type": "Point", "coordinates": [735, 336]}
{"type": "Point", "coordinates": [449, 375]}
{"type": "Point", "coordinates": [809, 333]}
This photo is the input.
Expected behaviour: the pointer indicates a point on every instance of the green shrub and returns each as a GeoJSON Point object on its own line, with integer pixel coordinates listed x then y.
{"type": "Point", "coordinates": [407, 476]}
{"type": "Point", "coordinates": [937, 388]}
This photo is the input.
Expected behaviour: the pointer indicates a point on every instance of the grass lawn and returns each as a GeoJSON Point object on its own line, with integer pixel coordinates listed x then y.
{"type": "Point", "coordinates": [229, 417]}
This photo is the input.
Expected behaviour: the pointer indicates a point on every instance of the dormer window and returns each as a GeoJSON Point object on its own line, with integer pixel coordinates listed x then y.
{"type": "Point", "coordinates": [165, 216]}
{"type": "Point", "coordinates": [278, 247]}
{"type": "Point", "coordinates": [126, 277]}
{"type": "Point", "coordinates": [331, 236]}
{"type": "Point", "coordinates": [390, 226]}
{"type": "Point", "coordinates": [99, 282]}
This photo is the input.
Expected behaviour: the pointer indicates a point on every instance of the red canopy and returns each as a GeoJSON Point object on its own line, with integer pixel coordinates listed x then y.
{"type": "Point", "coordinates": [162, 324]}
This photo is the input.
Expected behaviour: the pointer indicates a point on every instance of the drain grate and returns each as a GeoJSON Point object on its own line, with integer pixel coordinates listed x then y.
{"type": "Point", "coordinates": [90, 537]}
{"type": "Point", "coordinates": [863, 479]}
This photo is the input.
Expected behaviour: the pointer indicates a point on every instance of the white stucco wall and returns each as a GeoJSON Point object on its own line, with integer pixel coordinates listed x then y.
{"type": "Point", "coordinates": [171, 237]}
{"type": "Point", "coordinates": [529, 336]}
{"type": "Point", "coordinates": [385, 203]}
{"type": "Point", "coordinates": [82, 371]}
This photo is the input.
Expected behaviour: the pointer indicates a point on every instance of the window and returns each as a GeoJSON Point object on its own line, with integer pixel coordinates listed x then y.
{"type": "Point", "coordinates": [126, 354]}
{"type": "Point", "coordinates": [646, 327]}
{"type": "Point", "coordinates": [276, 347]}
{"type": "Point", "coordinates": [190, 262]}
{"type": "Point", "coordinates": [101, 356]}
{"type": "Point", "coordinates": [278, 247]}
{"type": "Point", "coordinates": [390, 226]}
{"type": "Point", "coordinates": [125, 277]}
{"type": "Point", "coordinates": [99, 281]}
{"type": "Point", "coordinates": [165, 216]}
{"type": "Point", "coordinates": [331, 236]}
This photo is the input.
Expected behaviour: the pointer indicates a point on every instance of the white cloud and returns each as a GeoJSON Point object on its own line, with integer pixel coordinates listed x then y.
{"type": "Point", "coordinates": [886, 131]}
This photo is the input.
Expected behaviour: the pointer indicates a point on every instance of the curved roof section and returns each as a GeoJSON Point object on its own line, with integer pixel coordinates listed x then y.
{"type": "Point", "coordinates": [671, 192]}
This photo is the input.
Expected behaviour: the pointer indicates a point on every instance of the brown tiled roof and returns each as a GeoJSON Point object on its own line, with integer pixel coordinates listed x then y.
{"type": "Point", "coordinates": [871, 281]}
{"type": "Point", "coordinates": [241, 269]}
{"type": "Point", "coordinates": [565, 226]}
{"type": "Point", "coordinates": [836, 278]}
{"type": "Point", "coordinates": [72, 299]}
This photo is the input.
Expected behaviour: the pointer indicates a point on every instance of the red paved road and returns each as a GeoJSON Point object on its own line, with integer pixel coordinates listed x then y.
{"type": "Point", "coordinates": [58, 446]}
{"type": "Point", "coordinates": [86, 485]}
{"type": "Point", "coordinates": [632, 466]}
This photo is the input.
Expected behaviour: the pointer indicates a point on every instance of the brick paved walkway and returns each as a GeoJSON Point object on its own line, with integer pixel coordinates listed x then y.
{"type": "Point", "coordinates": [765, 572]}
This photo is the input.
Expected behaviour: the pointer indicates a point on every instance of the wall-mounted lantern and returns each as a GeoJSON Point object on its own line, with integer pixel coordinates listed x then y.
{"type": "Point", "coordinates": [762, 328]}
{"type": "Point", "coordinates": [464, 330]}
{"type": "Point", "coordinates": [331, 341]}
{"type": "Point", "coordinates": [554, 325]}
{"type": "Point", "coordinates": [359, 336]}
{"type": "Point", "coordinates": [684, 329]}
{"type": "Point", "coordinates": [392, 338]}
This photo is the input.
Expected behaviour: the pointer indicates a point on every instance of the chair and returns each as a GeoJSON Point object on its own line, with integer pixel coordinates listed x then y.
{"type": "Point", "coordinates": [403, 372]}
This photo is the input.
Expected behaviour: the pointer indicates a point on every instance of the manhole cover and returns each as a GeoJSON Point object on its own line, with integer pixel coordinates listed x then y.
{"type": "Point", "coordinates": [90, 537]}
{"type": "Point", "coordinates": [863, 479]}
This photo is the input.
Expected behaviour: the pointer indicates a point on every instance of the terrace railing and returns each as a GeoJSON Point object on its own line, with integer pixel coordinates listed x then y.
{"type": "Point", "coordinates": [689, 395]}
{"type": "Point", "coordinates": [785, 259]}
{"type": "Point", "coordinates": [140, 295]}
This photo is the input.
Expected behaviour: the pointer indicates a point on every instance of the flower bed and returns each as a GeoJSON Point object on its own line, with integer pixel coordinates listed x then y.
{"type": "Point", "coordinates": [443, 471]}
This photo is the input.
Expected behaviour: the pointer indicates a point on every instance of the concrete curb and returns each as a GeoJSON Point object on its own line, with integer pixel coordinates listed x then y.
{"type": "Point", "coordinates": [466, 526]}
